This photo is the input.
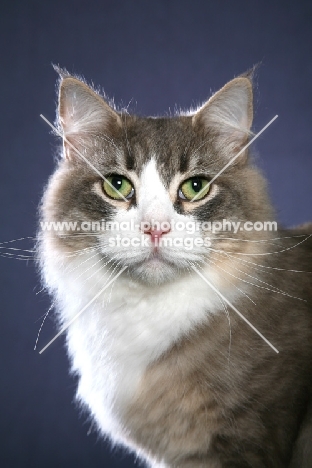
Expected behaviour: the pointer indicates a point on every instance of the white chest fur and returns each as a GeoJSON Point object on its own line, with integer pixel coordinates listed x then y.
{"type": "Point", "coordinates": [125, 329]}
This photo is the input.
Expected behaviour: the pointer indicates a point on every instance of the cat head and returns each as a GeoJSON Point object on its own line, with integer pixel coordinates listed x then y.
{"type": "Point", "coordinates": [139, 188]}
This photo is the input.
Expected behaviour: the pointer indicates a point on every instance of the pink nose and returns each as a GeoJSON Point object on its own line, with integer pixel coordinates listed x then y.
{"type": "Point", "coordinates": [155, 234]}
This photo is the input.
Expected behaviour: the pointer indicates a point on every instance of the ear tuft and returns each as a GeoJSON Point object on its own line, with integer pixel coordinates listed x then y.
{"type": "Point", "coordinates": [62, 72]}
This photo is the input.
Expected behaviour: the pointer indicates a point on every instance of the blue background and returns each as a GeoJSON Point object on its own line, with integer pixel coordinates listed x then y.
{"type": "Point", "coordinates": [157, 56]}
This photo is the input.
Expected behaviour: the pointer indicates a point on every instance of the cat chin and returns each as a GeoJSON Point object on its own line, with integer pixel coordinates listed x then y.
{"type": "Point", "coordinates": [154, 272]}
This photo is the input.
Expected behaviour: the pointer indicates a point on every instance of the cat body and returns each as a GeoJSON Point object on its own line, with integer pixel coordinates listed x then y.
{"type": "Point", "coordinates": [165, 365]}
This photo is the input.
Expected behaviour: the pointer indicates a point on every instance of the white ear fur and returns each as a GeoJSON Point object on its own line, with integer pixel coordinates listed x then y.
{"type": "Point", "coordinates": [229, 114]}
{"type": "Point", "coordinates": [81, 111]}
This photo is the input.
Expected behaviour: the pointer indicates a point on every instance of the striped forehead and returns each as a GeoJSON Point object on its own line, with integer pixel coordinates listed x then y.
{"type": "Point", "coordinates": [167, 140]}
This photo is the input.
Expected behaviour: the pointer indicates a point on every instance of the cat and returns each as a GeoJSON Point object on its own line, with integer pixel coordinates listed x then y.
{"type": "Point", "coordinates": [166, 366]}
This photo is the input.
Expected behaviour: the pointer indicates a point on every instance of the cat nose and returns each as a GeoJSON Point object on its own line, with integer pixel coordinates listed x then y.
{"type": "Point", "coordinates": [155, 233]}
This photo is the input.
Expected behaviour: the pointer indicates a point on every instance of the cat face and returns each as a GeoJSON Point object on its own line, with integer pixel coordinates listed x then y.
{"type": "Point", "coordinates": [139, 189]}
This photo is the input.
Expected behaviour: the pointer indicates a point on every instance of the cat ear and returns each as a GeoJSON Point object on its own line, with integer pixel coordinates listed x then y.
{"type": "Point", "coordinates": [82, 113]}
{"type": "Point", "coordinates": [228, 116]}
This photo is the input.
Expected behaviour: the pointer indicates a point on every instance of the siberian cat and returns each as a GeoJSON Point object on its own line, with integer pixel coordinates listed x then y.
{"type": "Point", "coordinates": [166, 365]}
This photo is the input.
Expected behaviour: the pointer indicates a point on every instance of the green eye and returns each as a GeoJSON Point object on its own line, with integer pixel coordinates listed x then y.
{"type": "Point", "coordinates": [118, 187]}
{"type": "Point", "coordinates": [191, 187]}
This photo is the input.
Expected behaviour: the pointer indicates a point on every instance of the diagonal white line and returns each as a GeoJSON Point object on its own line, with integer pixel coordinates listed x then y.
{"type": "Point", "coordinates": [234, 308]}
{"type": "Point", "coordinates": [83, 157]}
{"type": "Point", "coordinates": [236, 156]}
{"type": "Point", "coordinates": [83, 309]}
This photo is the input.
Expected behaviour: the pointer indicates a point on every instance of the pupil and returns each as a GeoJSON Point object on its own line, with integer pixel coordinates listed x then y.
{"type": "Point", "coordinates": [117, 182]}
{"type": "Point", "coordinates": [196, 185]}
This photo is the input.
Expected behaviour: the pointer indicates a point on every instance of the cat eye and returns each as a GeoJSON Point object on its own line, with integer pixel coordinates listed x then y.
{"type": "Point", "coordinates": [118, 187]}
{"type": "Point", "coordinates": [191, 187]}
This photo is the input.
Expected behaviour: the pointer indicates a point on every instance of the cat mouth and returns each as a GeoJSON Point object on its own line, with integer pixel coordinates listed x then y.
{"type": "Point", "coordinates": [156, 256]}
{"type": "Point", "coordinates": [155, 269]}
{"type": "Point", "coordinates": [155, 259]}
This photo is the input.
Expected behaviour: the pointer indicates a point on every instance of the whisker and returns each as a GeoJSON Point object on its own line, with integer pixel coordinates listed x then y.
{"type": "Point", "coordinates": [41, 326]}
{"type": "Point", "coordinates": [81, 263]}
{"type": "Point", "coordinates": [267, 253]}
{"type": "Point", "coordinates": [235, 286]}
{"type": "Point", "coordinates": [20, 250]}
{"type": "Point", "coordinates": [110, 141]}
{"type": "Point", "coordinates": [260, 240]}
{"type": "Point", "coordinates": [262, 266]}
{"type": "Point", "coordinates": [126, 134]}
{"type": "Point", "coordinates": [17, 240]}
{"type": "Point", "coordinates": [270, 288]}
{"type": "Point", "coordinates": [17, 256]}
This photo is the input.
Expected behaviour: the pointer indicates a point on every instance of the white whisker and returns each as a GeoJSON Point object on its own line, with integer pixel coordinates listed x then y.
{"type": "Point", "coordinates": [270, 288]}
{"type": "Point", "coordinates": [64, 328]}
{"type": "Point", "coordinates": [236, 287]}
{"type": "Point", "coordinates": [41, 326]}
{"type": "Point", "coordinates": [270, 253]}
